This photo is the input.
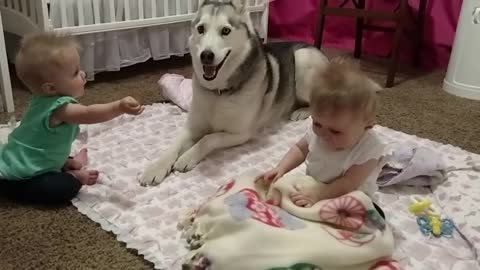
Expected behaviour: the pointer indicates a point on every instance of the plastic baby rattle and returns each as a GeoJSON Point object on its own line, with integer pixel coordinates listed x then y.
{"type": "Point", "coordinates": [429, 219]}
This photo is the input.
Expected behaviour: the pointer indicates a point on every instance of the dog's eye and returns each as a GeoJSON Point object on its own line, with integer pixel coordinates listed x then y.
{"type": "Point", "coordinates": [201, 29]}
{"type": "Point", "coordinates": [226, 31]}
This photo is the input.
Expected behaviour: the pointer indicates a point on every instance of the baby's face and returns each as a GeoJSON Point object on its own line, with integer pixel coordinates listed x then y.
{"type": "Point", "coordinates": [339, 130]}
{"type": "Point", "coordinates": [70, 80]}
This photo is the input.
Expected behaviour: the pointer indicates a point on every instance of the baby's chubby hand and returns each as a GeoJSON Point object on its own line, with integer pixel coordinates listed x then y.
{"type": "Point", "coordinates": [129, 105]}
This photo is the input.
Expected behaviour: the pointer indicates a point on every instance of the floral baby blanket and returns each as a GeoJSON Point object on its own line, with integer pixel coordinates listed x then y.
{"type": "Point", "coordinates": [238, 229]}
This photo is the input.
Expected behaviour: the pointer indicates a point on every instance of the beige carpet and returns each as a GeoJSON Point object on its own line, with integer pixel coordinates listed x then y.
{"type": "Point", "coordinates": [39, 238]}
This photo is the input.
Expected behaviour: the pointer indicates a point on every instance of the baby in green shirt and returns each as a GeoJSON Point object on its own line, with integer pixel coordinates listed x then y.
{"type": "Point", "coordinates": [35, 165]}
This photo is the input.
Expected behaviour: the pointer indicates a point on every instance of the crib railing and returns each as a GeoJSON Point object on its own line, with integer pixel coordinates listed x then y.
{"type": "Point", "coordinates": [26, 15]}
{"type": "Point", "coordinates": [120, 16]}
{"type": "Point", "coordinates": [35, 15]}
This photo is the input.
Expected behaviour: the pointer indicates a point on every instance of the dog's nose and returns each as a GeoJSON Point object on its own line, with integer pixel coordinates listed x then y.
{"type": "Point", "coordinates": [207, 57]}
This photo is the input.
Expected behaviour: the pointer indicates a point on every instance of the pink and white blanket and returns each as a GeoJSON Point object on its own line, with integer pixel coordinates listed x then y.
{"type": "Point", "coordinates": [146, 218]}
{"type": "Point", "coordinates": [237, 229]}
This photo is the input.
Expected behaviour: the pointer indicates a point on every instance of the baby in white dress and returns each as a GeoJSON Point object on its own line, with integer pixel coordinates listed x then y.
{"type": "Point", "coordinates": [340, 149]}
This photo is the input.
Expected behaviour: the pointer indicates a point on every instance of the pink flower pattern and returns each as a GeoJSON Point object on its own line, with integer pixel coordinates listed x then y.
{"type": "Point", "coordinates": [346, 212]}
{"type": "Point", "coordinates": [246, 203]}
{"type": "Point", "coordinates": [225, 188]}
{"type": "Point", "coordinates": [262, 211]}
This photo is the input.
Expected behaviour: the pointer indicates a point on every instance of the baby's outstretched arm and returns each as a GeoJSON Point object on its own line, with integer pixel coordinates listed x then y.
{"type": "Point", "coordinates": [97, 113]}
{"type": "Point", "coordinates": [294, 157]}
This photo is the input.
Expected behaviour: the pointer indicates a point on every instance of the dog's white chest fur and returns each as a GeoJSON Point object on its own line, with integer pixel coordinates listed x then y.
{"type": "Point", "coordinates": [229, 111]}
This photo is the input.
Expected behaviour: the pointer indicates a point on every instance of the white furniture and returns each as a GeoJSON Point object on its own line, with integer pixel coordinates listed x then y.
{"type": "Point", "coordinates": [5, 84]}
{"type": "Point", "coordinates": [116, 33]}
{"type": "Point", "coordinates": [463, 74]}
{"type": "Point", "coordinates": [24, 16]}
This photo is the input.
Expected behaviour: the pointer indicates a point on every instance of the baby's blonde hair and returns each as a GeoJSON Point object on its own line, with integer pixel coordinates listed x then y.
{"type": "Point", "coordinates": [39, 55]}
{"type": "Point", "coordinates": [343, 87]}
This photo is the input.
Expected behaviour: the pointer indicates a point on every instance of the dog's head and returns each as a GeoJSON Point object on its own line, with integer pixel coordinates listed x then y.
{"type": "Point", "coordinates": [219, 40]}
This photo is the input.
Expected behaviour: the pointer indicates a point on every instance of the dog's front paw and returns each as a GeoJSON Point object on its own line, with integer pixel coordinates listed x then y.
{"type": "Point", "coordinates": [187, 161]}
{"type": "Point", "coordinates": [300, 114]}
{"type": "Point", "coordinates": [156, 172]}
{"type": "Point", "coordinates": [195, 241]}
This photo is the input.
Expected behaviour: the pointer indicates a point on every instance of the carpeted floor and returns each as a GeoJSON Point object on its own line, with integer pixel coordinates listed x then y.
{"type": "Point", "coordinates": [40, 238]}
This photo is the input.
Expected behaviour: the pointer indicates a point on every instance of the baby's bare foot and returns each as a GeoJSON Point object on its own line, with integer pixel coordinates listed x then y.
{"type": "Point", "coordinates": [72, 165]}
{"type": "Point", "coordinates": [86, 177]}
{"type": "Point", "coordinates": [82, 157]}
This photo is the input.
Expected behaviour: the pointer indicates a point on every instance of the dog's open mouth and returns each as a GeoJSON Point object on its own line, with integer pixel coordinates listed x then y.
{"type": "Point", "coordinates": [210, 71]}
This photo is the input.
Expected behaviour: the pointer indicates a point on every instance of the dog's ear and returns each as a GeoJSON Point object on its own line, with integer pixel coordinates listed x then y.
{"type": "Point", "coordinates": [239, 5]}
{"type": "Point", "coordinates": [201, 2]}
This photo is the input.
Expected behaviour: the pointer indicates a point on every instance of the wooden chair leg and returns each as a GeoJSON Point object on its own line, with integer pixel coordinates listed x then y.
{"type": "Point", "coordinates": [419, 33]}
{"type": "Point", "coordinates": [320, 23]}
{"type": "Point", "coordinates": [359, 31]}
{"type": "Point", "coordinates": [392, 68]}
{"type": "Point", "coordinates": [401, 22]}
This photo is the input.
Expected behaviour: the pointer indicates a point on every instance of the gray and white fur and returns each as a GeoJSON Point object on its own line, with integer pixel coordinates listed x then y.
{"type": "Point", "coordinates": [239, 86]}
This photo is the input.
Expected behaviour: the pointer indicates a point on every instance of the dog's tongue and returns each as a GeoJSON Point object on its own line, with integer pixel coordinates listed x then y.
{"type": "Point", "coordinates": [209, 71]}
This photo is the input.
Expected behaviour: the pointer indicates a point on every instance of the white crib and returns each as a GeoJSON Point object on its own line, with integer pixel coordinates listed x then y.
{"type": "Point", "coordinates": [24, 16]}
{"type": "Point", "coordinates": [116, 33]}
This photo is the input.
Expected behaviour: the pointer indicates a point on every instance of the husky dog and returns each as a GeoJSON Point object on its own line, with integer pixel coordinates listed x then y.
{"type": "Point", "coordinates": [239, 86]}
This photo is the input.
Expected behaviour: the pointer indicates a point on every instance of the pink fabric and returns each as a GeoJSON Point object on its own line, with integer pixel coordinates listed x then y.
{"type": "Point", "coordinates": [296, 20]}
{"type": "Point", "coordinates": [177, 89]}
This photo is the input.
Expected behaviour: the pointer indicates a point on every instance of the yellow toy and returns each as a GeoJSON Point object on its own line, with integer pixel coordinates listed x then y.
{"type": "Point", "coordinates": [436, 225]}
{"type": "Point", "coordinates": [419, 207]}
{"type": "Point", "coordinates": [422, 207]}
{"type": "Point", "coordinates": [429, 219]}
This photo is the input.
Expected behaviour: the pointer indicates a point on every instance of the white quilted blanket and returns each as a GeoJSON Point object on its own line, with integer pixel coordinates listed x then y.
{"type": "Point", "coordinates": [145, 218]}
